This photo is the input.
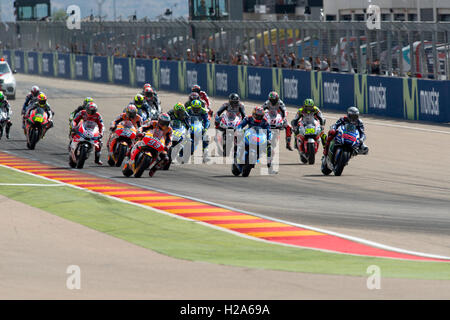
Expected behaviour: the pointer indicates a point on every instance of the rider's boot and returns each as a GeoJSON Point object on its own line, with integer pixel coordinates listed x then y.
{"type": "Point", "coordinates": [97, 158]}
{"type": "Point", "coordinates": [8, 127]}
{"type": "Point", "coordinates": [288, 144]}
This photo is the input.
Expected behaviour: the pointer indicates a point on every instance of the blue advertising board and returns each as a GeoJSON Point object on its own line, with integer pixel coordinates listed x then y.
{"type": "Point", "coordinates": [168, 75]}
{"type": "Point", "coordinates": [81, 67]}
{"type": "Point", "coordinates": [121, 71]}
{"type": "Point", "coordinates": [63, 65]}
{"type": "Point", "coordinates": [32, 62]}
{"type": "Point", "coordinates": [100, 69]}
{"type": "Point", "coordinates": [143, 72]}
{"type": "Point", "coordinates": [18, 65]}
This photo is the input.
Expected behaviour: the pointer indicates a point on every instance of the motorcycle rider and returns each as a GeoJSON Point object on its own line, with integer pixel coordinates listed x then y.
{"type": "Point", "coordinates": [90, 113]}
{"type": "Point", "coordinates": [151, 97]}
{"type": "Point", "coordinates": [234, 105]}
{"type": "Point", "coordinates": [130, 114]}
{"type": "Point", "coordinates": [29, 100]}
{"type": "Point", "coordinates": [161, 129]}
{"type": "Point", "coordinates": [83, 106]}
{"type": "Point", "coordinates": [258, 120]}
{"type": "Point", "coordinates": [197, 110]}
{"type": "Point", "coordinates": [42, 103]}
{"type": "Point", "coordinates": [179, 113]}
{"type": "Point", "coordinates": [141, 104]}
{"type": "Point", "coordinates": [353, 118]}
{"type": "Point", "coordinates": [203, 97]}
{"type": "Point", "coordinates": [309, 109]}
{"type": "Point", "coordinates": [4, 104]}
{"type": "Point", "coordinates": [275, 104]}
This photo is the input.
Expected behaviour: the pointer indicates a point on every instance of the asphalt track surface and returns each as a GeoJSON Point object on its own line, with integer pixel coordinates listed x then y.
{"type": "Point", "coordinates": [398, 195]}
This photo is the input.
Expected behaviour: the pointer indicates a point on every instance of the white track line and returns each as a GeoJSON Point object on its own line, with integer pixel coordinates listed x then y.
{"type": "Point", "coordinates": [30, 185]}
{"type": "Point", "coordinates": [351, 238]}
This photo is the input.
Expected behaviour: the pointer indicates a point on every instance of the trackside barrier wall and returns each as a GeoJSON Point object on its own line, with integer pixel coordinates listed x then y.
{"type": "Point", "coordinates": [405, 98]}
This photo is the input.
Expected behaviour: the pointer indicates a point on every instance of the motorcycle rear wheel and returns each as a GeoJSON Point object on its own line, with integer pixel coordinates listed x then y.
{"type": "Point", "coordinates": [33, 138]}
{"type": "Point", "coordinates": [235, 170]}
{"type": "Point", "coordinates": [121, 153]}
{"type": "Point", "coordinates": [342, 157]}
{"type": "Point", "coordinates": [246, 170]}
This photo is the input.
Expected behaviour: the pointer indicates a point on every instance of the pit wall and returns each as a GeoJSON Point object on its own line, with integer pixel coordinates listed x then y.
{"type": "Point", "coordinates": [404, 98]}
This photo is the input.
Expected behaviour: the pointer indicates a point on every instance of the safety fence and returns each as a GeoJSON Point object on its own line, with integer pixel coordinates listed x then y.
{"type": "Point", "coordinates": [406, 98]}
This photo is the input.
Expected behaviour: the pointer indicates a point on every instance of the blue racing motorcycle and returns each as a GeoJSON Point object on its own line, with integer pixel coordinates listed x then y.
{"type": "Point", "coordinates": [249, 151]}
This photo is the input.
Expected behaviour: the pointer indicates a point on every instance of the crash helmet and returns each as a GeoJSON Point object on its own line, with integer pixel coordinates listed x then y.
{"type": "Point", "coordinates": [138, 100]}
{"type": "Point", "coordinates": [91, 108]}
{"type": "Point", "coordinates": [179, 109]}
{"type": "Point", "coordinates": [234, 99]}
{"type": "Point", "coordinates": [163, 121]}
{"type": "Point", "coordinates": [196, 88]}
{"type": "Point", "coordinates": [35, 91]}
{"type": "Point", "coordinates": [131, 111]}
{"type": "Point", "coordinates": [42, 99]}
{"type": "Point", "coordinates": [308, 105]}
{"type": "Point", "coordinates": [258, 114]}
{"type": "Point", "coordinates": [353, 115]}
{"type": "Point", "coordinates": [87, 100]}
{"type": "Point", "coordinates": [273, 97]}
{"type": "Point", "coordinates": [196, 106]}
{"type": "Point", "coordinates": [194, 96]}
{"type": "Point", "coordinates": [149, 92]}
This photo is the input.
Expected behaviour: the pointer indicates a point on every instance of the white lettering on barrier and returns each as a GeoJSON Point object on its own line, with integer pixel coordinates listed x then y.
{"type": "Point", "coordinates": [254, 85]}
{"type": "Point", "coordinates": [191, 78]}
{"type": "Point", "coordinates": [221, 81]}
{"type": "Point", "coordinates": [140, 73]}
{"type": "Point", "coordinates": [61, 67]}
{"type": "Point", "coordinates": [17, 62]}
{"type": "Point", "coordinates": [30, 64]}
{"type": "Point", "coordinates": [377, 97]}
{"type": "Point", "coordinates": [97, 70]}
{"type": "Point", "coordinates": [331, 92]}
{"type": "Point", "coordinates": [291, 88]}
{"type": "Point", "coordinates": [79, 68]}
{"type": "Point", "coordinates": [45, 65]}
{"type": "Point", "coordinates": [118, 72]}
{"type": "Point", "coordinates": [429, 102]}
{"type": "Point", "coordinates": [165, 76]}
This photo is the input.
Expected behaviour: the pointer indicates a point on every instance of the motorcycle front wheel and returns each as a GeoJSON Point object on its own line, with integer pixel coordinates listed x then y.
{"type": "Point", "coordinates": [142, 165]}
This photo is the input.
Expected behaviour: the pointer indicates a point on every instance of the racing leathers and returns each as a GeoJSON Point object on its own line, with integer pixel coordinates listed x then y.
{"type": "Point", "coordinates": [85, 117]}
{"type": "Point", "coordinates": [202, 115]}
{"type": "Point", "coordinates": [4, 105]}
{"type": "Point", "coordinates": [263, 124]}
{"type": "Point", "coordinates": [153, 101]}
{"type": "Point", "coordinates": [304, 113]}
{"type": "Point", "coordinates": [184, 119]}
{"type": "Point", "coordinates": [158, 133]}
{"type": "Point", "coordinates": [280, 107]}
{"type": "Point", "coordinates": [47, 110]}
{"type": "Point", "coordinates": [137, 121]}
{"type": "Point", "coordinates": [333, 130]}
{"type": "Point", "coordinates": [237, 110]}
{"type": "Point", "coordinates": [29, 100]}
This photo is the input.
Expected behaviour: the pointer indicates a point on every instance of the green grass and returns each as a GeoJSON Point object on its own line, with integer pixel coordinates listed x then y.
{"type": "Point", "coordinates": [192, 241]}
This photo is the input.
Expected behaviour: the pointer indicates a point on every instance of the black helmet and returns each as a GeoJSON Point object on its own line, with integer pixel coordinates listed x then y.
{"type": "Point", "coordinates": [353, 115]}
{"type": "Point", "coordinates": [234, 99]}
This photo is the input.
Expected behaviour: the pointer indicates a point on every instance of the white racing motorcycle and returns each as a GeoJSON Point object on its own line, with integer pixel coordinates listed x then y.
{"type": "Point", "coordinates": [226, 133]}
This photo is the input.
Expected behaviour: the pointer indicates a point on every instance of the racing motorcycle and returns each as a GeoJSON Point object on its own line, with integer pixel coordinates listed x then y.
{"type": "Point", "coordinates": [226, 133]}
{"type": "Point", "coordinates": [276, 123]}
{"type": "Point", "coordinates": [35, 126]}
{"type": "Point", "coordinates": [344, 146]}
{"type": "Point", "coordinates": [86, 138]}
{"type": "Point", "coordinates": [3, 120]}
{"type": "Point", "coordinates": [196, 131]}
{"type": "Point", "coordinates": [147, 158]}
{"type": "Point", "coordinates": [120, 143]}
{"type": "Point", "coordinates": [179, 141]}
{"type": "Point", "coordinates": [248, 153]}
{"type": "Point", "coordinates": [308, 139]}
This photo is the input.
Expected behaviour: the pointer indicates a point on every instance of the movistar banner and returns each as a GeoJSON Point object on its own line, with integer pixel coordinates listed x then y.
{"type": "Point", "coordinates": [405, 98]}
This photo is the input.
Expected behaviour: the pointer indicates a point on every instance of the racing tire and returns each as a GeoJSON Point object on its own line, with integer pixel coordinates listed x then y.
{"type": "Point", "coordinates": [111, 162]}
{"type": "Point", "coordinates": [121, 153]}
{"type": "Point", "coordinates": [324, 168]}
{"type": "Point", "coordinates": [235, 170]}
{"type": "Point", "coordinates": [342, 157]}
{"type": "Point", "coordinates": [33, 138]}
{"type": "Point", "coordinates": [142, 166]}
{"type": "Point", "coordinates": [126, 171]}
{"type": "Point", "coordinates": [311, 153]}
{"type": "Point", "coordinates": [72, 164]}
{"type": "Point", "coordinates": [82, 157]}
{"type": "Point", "coordinates": [246, 170]}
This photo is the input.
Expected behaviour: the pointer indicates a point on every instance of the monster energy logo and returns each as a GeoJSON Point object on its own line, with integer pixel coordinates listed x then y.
{"type": "Point", "coordinates": [182, 76]}
{"type": "Point", "coordinates": [155, 73]}
{"type": "Point", "coordinates": [55, 64]}
{"type": "Point", "coordinates": [39, 62]}
{"type": "Point", "coordinates": [132, 71]}
{"type": "Point", "coordinates": [90, 67]}
{"type": "Point", "coordinates": [361, 95]}
{"type": "Point", "coordinates": [210, 78]}
{"type": "Point", "coordinates": [410, 100]}
{"type": "Point", "coordinates": [110, 69]}
{"type": "Point", "coordinates": [72, 66]}
{"type": "Point", "coordinates": [277, 81]}
{"type": "Point", "coordinates": [242, 81]}
{"type": "Point", "coordinates": [316, 88]}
